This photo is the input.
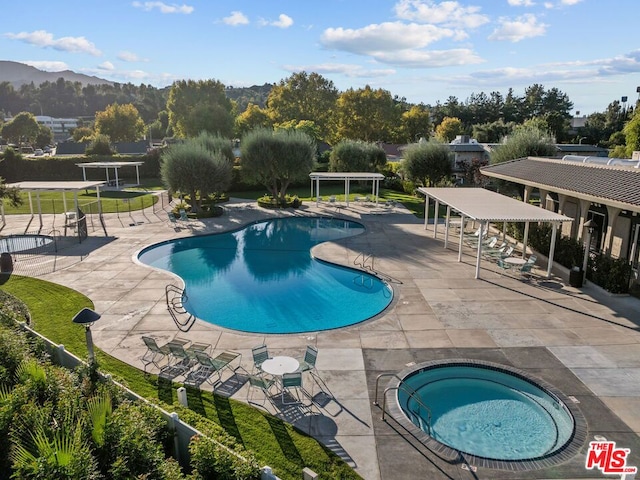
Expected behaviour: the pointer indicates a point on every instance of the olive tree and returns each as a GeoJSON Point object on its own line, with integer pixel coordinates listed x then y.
{"type": "Point", "coordinates": [525, 142]}
{"type": "Point", "coordinates": [356, 156]}
{"type": "Point", "coordinates": [202, 165]}
{"type": "Point", "coordinates": [427, 162]}
{"type": "Point", "coordinates": [276, 159]}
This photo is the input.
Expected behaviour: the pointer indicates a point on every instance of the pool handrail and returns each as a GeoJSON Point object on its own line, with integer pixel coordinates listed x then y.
{"type": "Point", "coordinates": [406, 389]}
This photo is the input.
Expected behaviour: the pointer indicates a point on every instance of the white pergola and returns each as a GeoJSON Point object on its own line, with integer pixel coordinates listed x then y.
{"type": "Point", "coordinates": [485, 206]}
{"type": "Point", "coordinates": [55, 187]}
{"type": "Point", "coordinates": [107, 165]}
{"type": "Point", "coordinates": [347, 177]}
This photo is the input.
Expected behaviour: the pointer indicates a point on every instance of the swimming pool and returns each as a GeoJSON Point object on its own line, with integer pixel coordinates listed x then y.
{"type": "Point", "coordinates": [24, 243]}
{"type": "Point", "coordinates": [489, 411]}
{"type": "Point", "coordinates": [264, 279]}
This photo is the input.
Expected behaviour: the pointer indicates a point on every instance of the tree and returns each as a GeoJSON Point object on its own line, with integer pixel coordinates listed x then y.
{"type": "Point", "coordinates": [427, 162]}
{"type": "Point", "coordinates": [632, 134]}
{"type": "Point", "coordinates": [449, 128]}
{"type": "Point", "coordinates": [122, 123]}
{"type": "Point", "coordinates": [197, 167]}
{"type": "Point", "coordinates": [306, 126]}
{"type": "Point", "coordinates": [196, 106]}
{"type": "Point", "coordinates": [44, 137]}
{"type": "Point", "coordinates": [253, 117]}
{"type": "Point", "coordinates": [524, 142]}
{"type": "Point", "coordinates": [304, 96]}
{"type": "Point", "coordinates": [82, 134]}
{"type": "Point", "coordinates": [492, 132]}
{"type": "Point", "coordinates": [365, 114]}
{"type": "Point", "coordinates": [274, 159]}
{"type": "Point", "coordinates": [100, 145]}
{"type": "Point", "coordinates": [356, 156]}
{"type": "Point", "coordinates": [415, 123]}
{"type": "Point", "coordinates": [21, 128]}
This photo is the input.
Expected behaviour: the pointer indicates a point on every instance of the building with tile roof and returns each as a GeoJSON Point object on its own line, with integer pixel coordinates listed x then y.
{"type": "Point", "coordinates": [601, 189]}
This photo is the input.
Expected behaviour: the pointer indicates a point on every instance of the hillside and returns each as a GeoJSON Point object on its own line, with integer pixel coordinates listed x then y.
{"type": "Point", "coordinates": [19, 74]}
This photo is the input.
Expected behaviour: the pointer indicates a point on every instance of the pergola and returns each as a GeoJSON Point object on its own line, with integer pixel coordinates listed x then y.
{"type": "Point", "coordinates": [54, 187]}
{"type": "Point", "coordinates": [485, 206]}
{"type": "Point", "coordinates": [107, 166]}
{"type": "Point", "coordinates": [347, 177]}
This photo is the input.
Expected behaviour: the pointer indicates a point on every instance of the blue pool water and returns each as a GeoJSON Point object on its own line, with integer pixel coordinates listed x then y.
{"type": "Point", "coordinates": [487, 413]}
{"type": "Point", "coordinates": [263, 278]}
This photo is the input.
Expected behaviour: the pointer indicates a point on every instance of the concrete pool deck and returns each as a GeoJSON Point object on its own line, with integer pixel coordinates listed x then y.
{"type": "Point", "coordinates": [584, 342]}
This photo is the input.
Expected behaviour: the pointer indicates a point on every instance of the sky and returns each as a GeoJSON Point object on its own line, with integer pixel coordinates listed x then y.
{"type": "Point", "coordinates": [423, 50]}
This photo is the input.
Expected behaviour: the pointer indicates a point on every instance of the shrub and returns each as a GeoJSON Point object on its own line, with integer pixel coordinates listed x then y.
{"type": "Point", "coordinates": [268, 201]}
{"type": "Point", "coordinates": [611, 274]}
{"type": "Point", "coordinates": [100, 145]}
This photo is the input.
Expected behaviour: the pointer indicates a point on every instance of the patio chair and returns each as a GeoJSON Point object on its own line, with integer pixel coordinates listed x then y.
{"type": "Point", "coordinates": [308, 363]}
{"type": "Point", "coordinates": [183, 215]}
{"type": "Point", "coordinates": [292, 381]}
{"type": "Point", "coordinates": [260, 354]}
{"type": "Point", "coordinates": [262, 384]}
{"type": "Point", "coordinates": [504, 266]}
{"type": "Point", "coordinates": [154, 352]}
{"type": "Point", "coordinates": [173, 221]}
{"type": "Point", "coordinates": [332, 199]}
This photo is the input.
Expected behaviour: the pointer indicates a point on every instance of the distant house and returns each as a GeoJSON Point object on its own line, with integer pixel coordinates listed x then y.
{"type": "Point", "coordinates": [465, 150]}
{"type": "Point", "coordinates": [61, 127]}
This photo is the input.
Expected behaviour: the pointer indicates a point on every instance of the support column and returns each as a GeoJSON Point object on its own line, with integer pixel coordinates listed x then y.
{"type": "Point", "coordinates": [461, 238]}
{"type": "Point", "coordinates": [584, 209]}
{"type": "Point", "coordinates": [612, 214]}
{"type": "Point", "coordinates": [446, 227]}
{"type": "Point", "coordinates": [527, 193]}
{"type": "Point", "coordinates": [426, 211]}
{"type": "Point", "coordinates": [543, 198]}
{"type": "Point", "coordinates": [552, 248]}
{"type": "Point", "coordinates": [525, 238]}
{"type": "Point", "coordinates": [483, 226]}
{"type": "Point", "coordinates": [435, 218]}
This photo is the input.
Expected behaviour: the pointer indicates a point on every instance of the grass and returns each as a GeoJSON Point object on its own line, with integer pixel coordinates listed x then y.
{"type": "Point", "coordinates": [112, 201]}
{"type": "Point", "coordinates": [414, 204]}
{"type": "Point", "coordinates": [274, 442]}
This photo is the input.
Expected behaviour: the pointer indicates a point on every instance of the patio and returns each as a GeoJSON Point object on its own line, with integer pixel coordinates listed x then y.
{"type": "Point", "coordinates": [580, 340]}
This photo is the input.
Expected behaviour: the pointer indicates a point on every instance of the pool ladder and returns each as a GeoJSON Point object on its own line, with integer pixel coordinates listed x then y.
{"type": "Point", "coordinates": [411, 393]}
{"type": "Point", "coordinates": [175, 296]}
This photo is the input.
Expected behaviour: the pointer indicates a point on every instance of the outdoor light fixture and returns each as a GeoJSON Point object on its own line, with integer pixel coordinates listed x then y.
{"type": "Point", "coordinates": [590, 225]}
{"type": "Point", "coordinates": [87, 317]}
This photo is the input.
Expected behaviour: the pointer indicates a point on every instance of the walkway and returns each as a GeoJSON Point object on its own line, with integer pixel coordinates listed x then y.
{"type": "Point", "coordinates": [585, 343]}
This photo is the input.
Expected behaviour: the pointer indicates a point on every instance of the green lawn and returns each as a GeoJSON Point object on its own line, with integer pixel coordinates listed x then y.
{"type": "Point", "coordinates": [112, 201]}
{"type": "Point", "coordinates": [274, 442]}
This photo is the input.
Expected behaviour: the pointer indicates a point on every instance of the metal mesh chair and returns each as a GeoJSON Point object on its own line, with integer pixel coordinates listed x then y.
{"type": "Point", "coordinates": [291, 381]}
{"type": "Point", "coordinates": [154, 352]}
{"type": "Point", "coordinates": [260, 354]}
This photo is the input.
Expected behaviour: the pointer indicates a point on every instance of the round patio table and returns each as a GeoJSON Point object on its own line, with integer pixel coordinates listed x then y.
{"type": "Point", "coordinates": [280, 365]}
{"type": "Point", "coordinates": [515, 260]}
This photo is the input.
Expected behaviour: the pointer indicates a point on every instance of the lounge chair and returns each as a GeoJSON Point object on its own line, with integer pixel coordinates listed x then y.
{"type": "Point", "coordinates": [204, 372]}
{"type": "Point", "coordinates": [183, 215]}
{"type": "Point", "coordinates": [154, 352]}
{"type": "Point", "coordinates": [332, 199]}
{"type": "Point", "coordinates": [173, 221]}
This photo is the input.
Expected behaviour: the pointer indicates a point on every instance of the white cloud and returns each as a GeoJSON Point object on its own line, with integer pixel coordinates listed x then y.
{"type": "Point", "coordinates": [389, 36]}
{"type": "Point", "coordinates": [42, 38]}
{"type": "Point", "coordinates": [521, 3]}
{"type": "Point", "coordinates": [47, 66]}
{"type": "Point", "coordinates": [526, 26]}
{"type": "Point", "coordinates": [107, 66]}
{"type": "Point", "coordinates": [400, 44]}
{"type": "Point", "coordinates": [429, 58]}
{"type": "Point", "coordinates": [561, 3]}
{"type": "Point", "coordinates": [284, 21]}
{"type": "Point", "coordinates": [447, 13]}
{"type": "Point", "coordinates": [127, 56]}
{"type": "Point", "coordinates": [236, 18]}
{"type": "Point", "coordinates": [348, 70]}
{"type": "Point", "coordinates": [163, 7]}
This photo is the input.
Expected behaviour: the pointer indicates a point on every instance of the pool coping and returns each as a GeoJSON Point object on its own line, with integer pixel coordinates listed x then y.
{"type": "Point", "coordinates": [569, 450]}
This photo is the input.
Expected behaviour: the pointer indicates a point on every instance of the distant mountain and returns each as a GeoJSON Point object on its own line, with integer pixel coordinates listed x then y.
{"type": "Point", "coordinates": [19, 74]}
